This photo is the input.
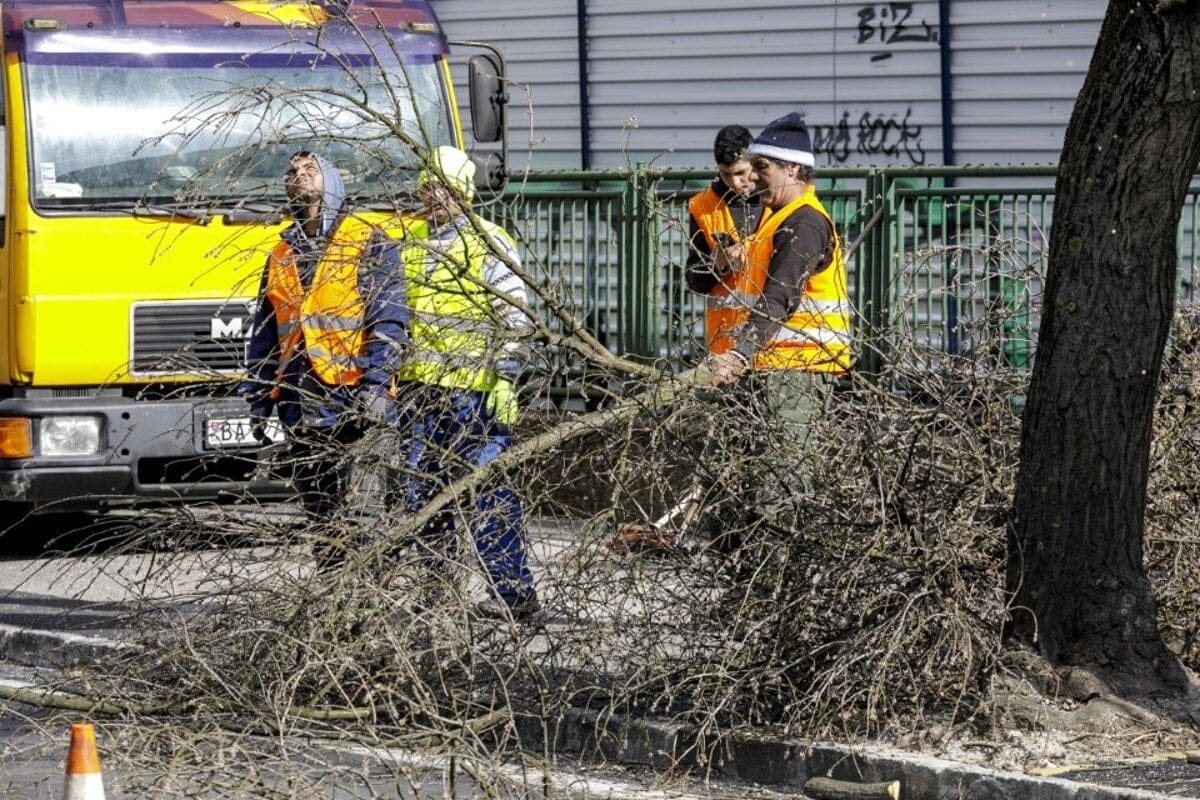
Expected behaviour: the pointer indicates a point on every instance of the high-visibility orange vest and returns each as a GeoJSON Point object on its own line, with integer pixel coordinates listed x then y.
{"type": "Point", "coordinates": [816, 338]}
{"type": "Point", "coordinates": [329, 317]}
{"type": "Point", "coordinates": [729, 302]}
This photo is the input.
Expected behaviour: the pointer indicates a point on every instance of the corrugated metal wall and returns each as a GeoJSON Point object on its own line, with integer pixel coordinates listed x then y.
{"type": "Point", "coordinates": [1017, 66]}
{"type": "Point", "coordinates": [540, 43]}
{"type": "Point", "coordinates": [663, 75]}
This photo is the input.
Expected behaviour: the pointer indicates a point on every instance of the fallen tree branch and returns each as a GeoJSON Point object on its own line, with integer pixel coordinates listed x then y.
{"type": "Point", "coordinates": [662, 394]}
{"type": "Point", "coordinates": [821, 788]}
{"type": "Point", "coordinates": [475, 727]}
{"type": "Point", "coordinates": [45, 698]}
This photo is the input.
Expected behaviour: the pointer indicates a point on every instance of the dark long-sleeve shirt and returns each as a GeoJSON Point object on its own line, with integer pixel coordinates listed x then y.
{"type": "Point", "coordinates": [802, 247]}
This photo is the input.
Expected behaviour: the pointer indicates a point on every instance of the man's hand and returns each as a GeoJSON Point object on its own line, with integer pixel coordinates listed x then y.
{"type": "Point", "coordinates": [502, 403]}
{"type": "Point", "coordinates": [729, 258]}
{"type": "Point", "coordinates": [726, 368]}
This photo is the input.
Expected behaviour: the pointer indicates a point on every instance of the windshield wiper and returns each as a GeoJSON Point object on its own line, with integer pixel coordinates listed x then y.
{"type": "Point", "coordinates": [251, 211]}
{"type": "Point", "coordinates": [232, 211]}
{"type": "Point", "coordinates": [143, 208]}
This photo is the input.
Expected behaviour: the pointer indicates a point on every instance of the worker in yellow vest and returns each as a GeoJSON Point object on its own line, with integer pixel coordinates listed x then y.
{"type": "Point", "coordinates": [720, 218]}
{"type": "Point", "coordinates": [329, 333]}
{"type": "Point", "coordinates": [469, 323]}
{"type": "Point", "coordinates": [797, 331]}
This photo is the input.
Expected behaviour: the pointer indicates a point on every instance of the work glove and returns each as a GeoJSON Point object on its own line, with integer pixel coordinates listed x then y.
{"type": "Point", "coordinates": [376, 405]}
{"type": "Point", "coordinates": [260, 412]}
{"type": "Point", "coordinates": [502, 403]}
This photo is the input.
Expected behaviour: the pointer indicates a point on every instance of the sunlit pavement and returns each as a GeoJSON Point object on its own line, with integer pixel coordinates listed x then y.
{"type": "Point", "coordinates": [62, 610]}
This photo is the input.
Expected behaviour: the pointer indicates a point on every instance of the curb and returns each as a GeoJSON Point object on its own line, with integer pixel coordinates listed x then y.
{"type": "Point", "coordinates": [664, 745]}
{"type": "Point", "coordinates": [32, 647]}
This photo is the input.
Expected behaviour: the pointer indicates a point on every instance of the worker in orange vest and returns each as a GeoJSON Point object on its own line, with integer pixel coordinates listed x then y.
{"type": "Point", "coordinates": [790, 341]}
{"type": "Point", "coordinates": [329, 333]}
{"type": "Point", "coordinates": [720, 219]}
{"type": "Point", "coordinates": [797, 330]}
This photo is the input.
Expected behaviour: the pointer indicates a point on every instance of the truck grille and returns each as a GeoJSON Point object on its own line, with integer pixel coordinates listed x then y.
{"type": "Point", "coordinates": [190, 337]}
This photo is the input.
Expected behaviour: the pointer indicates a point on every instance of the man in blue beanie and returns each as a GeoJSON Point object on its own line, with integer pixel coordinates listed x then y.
{"type": "Point", "coordinates": [800, 322]}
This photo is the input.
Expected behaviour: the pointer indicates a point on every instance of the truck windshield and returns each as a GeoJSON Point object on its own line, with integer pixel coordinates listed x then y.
{"type": "Point", "coordinates": [104, 135]}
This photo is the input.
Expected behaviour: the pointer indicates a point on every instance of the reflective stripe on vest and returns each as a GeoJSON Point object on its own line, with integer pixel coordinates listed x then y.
{"type": "Point", "coordinates": [816, 337]}
{"type": "Point", "coordinates": [329, 317]}
{"type": "Point", "coordinates": [455, 331]}
{"type": "Point", "coordinates": [730, 301]}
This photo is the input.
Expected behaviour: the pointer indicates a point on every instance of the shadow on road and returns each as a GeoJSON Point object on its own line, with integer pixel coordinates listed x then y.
{"type": "Point", "coordinates": [73, 534]}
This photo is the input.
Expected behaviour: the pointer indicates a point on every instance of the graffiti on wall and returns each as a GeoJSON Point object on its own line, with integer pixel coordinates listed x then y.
{"type": "Point", "coordinates": [887, 24]}
{"type": "Point", "coordinates": [872, 135]}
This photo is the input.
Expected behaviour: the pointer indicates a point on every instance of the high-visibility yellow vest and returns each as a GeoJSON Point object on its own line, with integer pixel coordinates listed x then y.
{"type": "Point", "coordinates": [329, 317]}
{"type": "Point", "coordinates": [728, 304]}
{"type": "Point", "coordinates": [454, 328]}
{"type": "Point", "coordinates": [816, 338]}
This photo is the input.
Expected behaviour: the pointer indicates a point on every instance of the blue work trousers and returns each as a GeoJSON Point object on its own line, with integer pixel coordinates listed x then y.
{"type": "Point", "coordinates": [452, 434]}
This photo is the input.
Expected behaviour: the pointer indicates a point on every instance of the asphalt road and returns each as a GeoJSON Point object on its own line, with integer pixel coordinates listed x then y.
{"type": "Point", "coordinates": [65, 599]}
{"type": "Point", "coordinates": [28, 769]}
{"type": "Point", "coordinates": [67, 583]}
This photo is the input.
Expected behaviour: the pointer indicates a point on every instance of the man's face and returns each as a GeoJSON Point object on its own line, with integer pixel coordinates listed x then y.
{"type": "Point", "coordinates": [774, 181]}
{"type": "Point", "coordinates": [737, 176]}
{"type": "Point", "coordinates": [304, 181]}
{"type": "Point", "coordinates": [440, 204]}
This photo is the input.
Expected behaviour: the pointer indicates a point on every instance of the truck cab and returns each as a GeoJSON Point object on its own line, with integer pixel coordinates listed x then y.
{"type": "Point", "coordinates": [144, 145]}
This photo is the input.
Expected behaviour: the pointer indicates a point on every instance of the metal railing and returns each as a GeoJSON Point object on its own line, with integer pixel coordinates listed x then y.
{"type": "Point", "coordinates": [951, 258]}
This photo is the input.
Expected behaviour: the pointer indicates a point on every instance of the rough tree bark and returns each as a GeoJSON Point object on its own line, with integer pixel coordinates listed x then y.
{"type": "Point", "coordinates": [1075, 566]}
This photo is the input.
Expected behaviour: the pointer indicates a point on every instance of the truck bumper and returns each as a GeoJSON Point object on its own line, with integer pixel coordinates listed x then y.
{"type": "Point", "coordinates": [149, 451]}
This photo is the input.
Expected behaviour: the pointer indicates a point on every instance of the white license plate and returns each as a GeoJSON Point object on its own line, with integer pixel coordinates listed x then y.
{"type": "Point", "coordinates": [238, 432]}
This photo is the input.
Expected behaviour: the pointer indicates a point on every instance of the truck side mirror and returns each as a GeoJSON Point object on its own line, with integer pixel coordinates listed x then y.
{"type": "Point", "coordinates": [488, 97]}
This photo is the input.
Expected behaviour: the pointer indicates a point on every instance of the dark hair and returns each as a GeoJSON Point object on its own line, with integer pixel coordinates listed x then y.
{"type": "Point", "coordinates": [730, 145]}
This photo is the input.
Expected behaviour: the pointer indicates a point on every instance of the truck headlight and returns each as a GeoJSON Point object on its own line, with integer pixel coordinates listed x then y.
{"type": "Point", "coordinates": [69, 436]}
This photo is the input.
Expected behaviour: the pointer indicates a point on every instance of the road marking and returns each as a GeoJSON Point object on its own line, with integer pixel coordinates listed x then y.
{"type": "Point", "coordinates": [573, 784]}
{"type": "Point", "coordinates": [64, 637]}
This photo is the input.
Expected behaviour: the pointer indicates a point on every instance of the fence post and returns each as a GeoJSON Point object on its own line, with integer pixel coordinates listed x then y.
{"type": "Point", "coordinates": [875, 256]}
{"type": "Point", "coordinates": [1014, 298]}
{"type": "Point", "coordinates": [638, 292]}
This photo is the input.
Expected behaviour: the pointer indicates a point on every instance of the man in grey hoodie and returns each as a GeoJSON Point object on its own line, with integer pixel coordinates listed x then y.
{"type": "Point", "coordinates": [329, 333]}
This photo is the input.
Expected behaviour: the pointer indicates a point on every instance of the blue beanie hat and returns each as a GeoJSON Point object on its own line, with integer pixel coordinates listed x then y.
{"type": "Point", "coordinates": [785, 139]}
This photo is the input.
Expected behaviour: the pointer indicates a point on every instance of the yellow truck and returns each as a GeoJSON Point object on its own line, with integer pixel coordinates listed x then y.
{"type": "Point", "coordinates": [144, 143]}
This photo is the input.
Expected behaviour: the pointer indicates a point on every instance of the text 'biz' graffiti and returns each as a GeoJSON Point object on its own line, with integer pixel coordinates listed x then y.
{"type": "Point", "coordinates": [875, 135]}
{"type": "Point", "coordinates": [887, 24]}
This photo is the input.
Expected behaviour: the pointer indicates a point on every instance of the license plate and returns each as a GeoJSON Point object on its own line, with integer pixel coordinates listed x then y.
{"type": "Point", "coordinates": [238, 432]}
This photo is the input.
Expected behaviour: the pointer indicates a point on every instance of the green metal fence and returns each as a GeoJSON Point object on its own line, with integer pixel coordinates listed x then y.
{"type": "Point", "coordinates": [950, 258]}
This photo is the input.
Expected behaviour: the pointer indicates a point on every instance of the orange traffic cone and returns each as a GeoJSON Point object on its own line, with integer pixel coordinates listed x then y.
{"type": "Point", "coordinates": [83, 765]}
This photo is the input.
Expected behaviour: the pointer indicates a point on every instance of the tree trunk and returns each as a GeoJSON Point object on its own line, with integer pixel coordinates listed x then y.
{"type": "Point", "coordinates": [1075, 566]}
